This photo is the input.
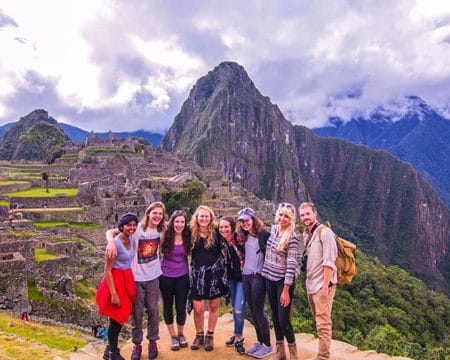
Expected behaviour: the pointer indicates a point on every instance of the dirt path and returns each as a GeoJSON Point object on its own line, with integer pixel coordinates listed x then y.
{"type": "Point", "coordinates": [306, 344]}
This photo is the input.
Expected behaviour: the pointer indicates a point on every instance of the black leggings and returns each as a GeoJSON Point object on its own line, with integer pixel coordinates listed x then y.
{"type": "Point", "coordinates": [174, 288]}
{"type": "Point", "coordinates": [280, 314]}
{"type": "Point", "coordinates": [113, 334]}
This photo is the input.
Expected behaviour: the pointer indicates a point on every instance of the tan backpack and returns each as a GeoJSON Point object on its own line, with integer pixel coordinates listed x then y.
{"type": "Point", "coordinates": [345, 261]}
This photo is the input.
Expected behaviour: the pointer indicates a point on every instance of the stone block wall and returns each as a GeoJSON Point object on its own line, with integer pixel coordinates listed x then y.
{"type": "Point", "coordinates": [60, 201]}
{"type": "Point", "coordinates": [13, 282]}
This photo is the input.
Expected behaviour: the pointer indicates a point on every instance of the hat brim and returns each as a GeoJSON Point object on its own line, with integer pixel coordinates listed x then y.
{"type": "Point", "coordinates": [244, 217]}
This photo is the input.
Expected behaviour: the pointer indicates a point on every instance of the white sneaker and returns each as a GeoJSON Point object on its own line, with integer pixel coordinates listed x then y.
{"type": "Point", "coordinates": [263, 351]}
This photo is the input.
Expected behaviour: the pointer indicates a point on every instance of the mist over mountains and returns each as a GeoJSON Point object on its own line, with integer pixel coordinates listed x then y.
{"type": "Point", "coordinates": [420, 135]}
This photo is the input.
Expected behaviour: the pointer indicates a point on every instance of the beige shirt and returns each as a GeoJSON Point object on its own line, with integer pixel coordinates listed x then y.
{"type": "Point", "coordinates": [321, 252]}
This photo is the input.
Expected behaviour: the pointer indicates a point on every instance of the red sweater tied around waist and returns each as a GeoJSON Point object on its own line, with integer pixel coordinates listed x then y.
{"type": "Point", "coordinates": [126, 290]}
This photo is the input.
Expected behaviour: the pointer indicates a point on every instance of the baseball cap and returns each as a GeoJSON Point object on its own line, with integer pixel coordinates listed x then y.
{"type": "Point", "coordinates": [246, 214]}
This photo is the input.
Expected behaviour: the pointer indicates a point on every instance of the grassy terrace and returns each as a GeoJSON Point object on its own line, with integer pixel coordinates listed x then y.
{"type": "Point", "coordinates": [73, 225]}
{"type": "Point", "coordinates": [40, 192]}
{"type": "Point", "coordinates": [42, 255]}
{"type": "Point", "coordinates": [13, 182]}
{"type": "Point", "coordinates": [35, 340]}
{"type": "Point", "coordinates": [50, 210]}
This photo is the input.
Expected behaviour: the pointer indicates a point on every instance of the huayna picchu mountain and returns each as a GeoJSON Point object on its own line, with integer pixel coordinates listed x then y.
{"type": "Point", "coordinates": [416, 133]}
{"type": "Point", "coordinates": [374, 199]}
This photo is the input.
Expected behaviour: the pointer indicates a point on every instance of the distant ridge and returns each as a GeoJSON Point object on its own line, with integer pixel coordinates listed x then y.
{"type": "Point", "coordinates": [380, 202]}
{"type": "Point", "coordinates": [418, 134]}
{"type": "Point", "coordinates": [77, 134]}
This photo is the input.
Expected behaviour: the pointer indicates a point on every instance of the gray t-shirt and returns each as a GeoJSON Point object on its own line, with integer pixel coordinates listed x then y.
{"type": "Point", "coordinates": [254, 259]}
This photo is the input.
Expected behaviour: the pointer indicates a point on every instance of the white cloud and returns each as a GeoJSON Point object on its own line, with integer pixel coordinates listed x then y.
{"type": "Point", "coordinates": [96, 62]}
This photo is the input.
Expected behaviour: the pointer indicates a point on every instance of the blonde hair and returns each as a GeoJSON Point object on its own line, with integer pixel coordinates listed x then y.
{"type": "Point", "coordinates": [286, 234]}
{"type": "Point", "coordinates": [195, 228]}
{"type": "Point", "coordinates": [162, 224]}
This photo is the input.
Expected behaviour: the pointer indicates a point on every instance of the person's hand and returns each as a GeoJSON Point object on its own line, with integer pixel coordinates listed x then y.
{"type": "Point", "coordinates": [325, 291]}
{"type": "Point", "coordinates": [285, 299]}
{"type": "Point", "coordinates": [111, 251]}
{"type": "Point", "coordinates": [115, 300]}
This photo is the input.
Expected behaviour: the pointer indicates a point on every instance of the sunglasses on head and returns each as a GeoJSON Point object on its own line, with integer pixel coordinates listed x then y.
{"type": "Point", "coordinates": [287, 205]}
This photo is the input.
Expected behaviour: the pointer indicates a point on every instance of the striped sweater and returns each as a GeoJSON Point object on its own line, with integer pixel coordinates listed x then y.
{"type": "Point", "coordinates": [280, 264]}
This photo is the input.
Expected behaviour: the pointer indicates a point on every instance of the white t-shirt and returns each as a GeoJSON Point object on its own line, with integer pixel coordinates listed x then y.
{"type": "Point", "coordinates": [146, 265]}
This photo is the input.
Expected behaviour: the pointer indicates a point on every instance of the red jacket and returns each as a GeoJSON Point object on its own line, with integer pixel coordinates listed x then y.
{"type": "Point", "coordinates": [126, 290]}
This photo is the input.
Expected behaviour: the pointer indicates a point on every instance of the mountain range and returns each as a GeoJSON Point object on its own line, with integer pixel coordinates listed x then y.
{"type": "Point", "coordinates": [381, 203]}
{"type": "Point", "coordinates": [78, 134]}
{"type": "Point", "coordinates": [419, 135]}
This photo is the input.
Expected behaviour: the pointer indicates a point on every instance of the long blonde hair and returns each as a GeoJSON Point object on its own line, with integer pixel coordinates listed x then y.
{"type": "Point", "coordinates": [195, 228]}
{"type": "Point", "coordinates": [286, 234]}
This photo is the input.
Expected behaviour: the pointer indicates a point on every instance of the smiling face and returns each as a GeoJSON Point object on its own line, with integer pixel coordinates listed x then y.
{"type": "Point", "coordinates": [203, 219]}
{"type": "Point", "coordinates": [178, 224]}
{"type": "Point", "coordinates": [130, 228]}
{"type": "Point", "coordinates": [247, 225]}
{"type": "Point", "coordinates": [308, 216]}
{"type": "Point", "coordinates": [225, 229]}
{"type": "Point", "coordinates": [155, 216]}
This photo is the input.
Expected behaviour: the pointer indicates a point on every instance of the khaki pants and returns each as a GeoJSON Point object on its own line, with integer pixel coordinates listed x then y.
{"type": "Point", "coordinates": [321, 308]}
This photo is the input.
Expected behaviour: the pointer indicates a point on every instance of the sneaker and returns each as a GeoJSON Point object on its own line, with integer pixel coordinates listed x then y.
{"type": "Point", "coordinates": [239, 346]}
{"type": "Point", "coordinates": [137, 351]}
{"type": "Point", "coordinates": [152, 350]}
{"type": "Point", "coordinates": [174, 343]}
{"type": "Point", "coordinates": [182, 340]}
{"type": "Point", "coordinates": [263, 351]}
{"type": "Point", "coordinates": [230, 341]}
{"type": "Point", "coordinates": [254, 348]}
{"type": "Point", "coordinates": [198, 341]}
{"type": "Point", "coordinates": [106, 353]}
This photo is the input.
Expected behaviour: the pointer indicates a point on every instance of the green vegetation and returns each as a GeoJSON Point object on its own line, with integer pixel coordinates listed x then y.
{"type": "Point", "coordinates": [40, 192]}
{"type": "Point", "coordinates": [35, 340]}
{"type": "Point", "coordinates": [42, 255]}
{"type": "Point", "coordinates": [33, 292]}
{"type": "Point", "coordinates": [384, 309]}
{"type": "Point", "coordinates": [57, 210]}
{"type": "Point", "coordinates": [26, 234]}
{"type": "Point", "coordinates": [72, 224]}
{"type": "Point", "coordinates": [86, 289]}
{"type": "Point", "coordinates": [46, 140]}
{"type": "Point", "coordinates": [187, 198]}
{"type": "Point", "coordinates": [109, 149]}
{"type": "Point", "coordinates": [4, 203]}
{"type": "Point", "coordinates": [13, 182]}
{"type": "Point", "coordinates": [87, 247]}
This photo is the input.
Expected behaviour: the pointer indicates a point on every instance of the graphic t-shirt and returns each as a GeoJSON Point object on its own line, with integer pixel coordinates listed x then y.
{"type": "Point", "coordinates": [146, 265]}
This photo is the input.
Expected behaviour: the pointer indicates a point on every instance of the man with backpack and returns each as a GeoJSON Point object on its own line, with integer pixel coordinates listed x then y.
{"type": "Point", "coordinates": [319, 258]}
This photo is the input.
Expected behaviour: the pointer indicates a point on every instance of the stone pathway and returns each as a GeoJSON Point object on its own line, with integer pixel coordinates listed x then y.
{"type": "Point", "coordinates": [306, 344]}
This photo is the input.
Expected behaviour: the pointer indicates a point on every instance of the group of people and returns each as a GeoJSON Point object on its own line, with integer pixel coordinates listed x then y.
{"type": "Point", "coordinates": [238, 258]}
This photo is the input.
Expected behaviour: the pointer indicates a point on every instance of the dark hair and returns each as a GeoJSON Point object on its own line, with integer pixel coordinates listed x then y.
{"type": "Point", "coordinates": [168, 236]}
{"type": "Point", "coordinates": [125, 219]}
{"type": "Point", "coordinates": [257, 227]}
{"type": "Point", "coordinates": [231, 221]}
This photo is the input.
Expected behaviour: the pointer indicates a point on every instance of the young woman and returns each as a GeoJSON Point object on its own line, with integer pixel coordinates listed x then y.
{"type": "Point", "coordinates": [254, 236]}
{"type": "Point", "coordinates": [208, 275]}
{"type": "Point", "coordinates": [234, 257]}
{"type": "Point", "coordinates": [174, 281]}
{"type": "Point", "coordinates": [116, 292]}
{"type": "Point", "coordinates": [279, 271]}
{"type": "Point", "coordinates": [147, 270]}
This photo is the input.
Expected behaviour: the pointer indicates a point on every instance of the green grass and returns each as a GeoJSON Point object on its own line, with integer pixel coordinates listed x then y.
{"type": "Point", "coordinates": [20, 233]}
{"type": "Point", "coordinates": [87, 247]}
{"type": "Point", "coordinates": [35, 340]}
{"type": "Point", "coordinates": [40, 192]}
{"type": "Point", "coordinates": [86, 289]}
{"type": "Point", "coordinates": [42, 255]}
{"type": "Point", "coordinates": [71, 224]}
{"type": "Point", "coordinates": [33, 292]}
{"type": "Point", "coordinates": [13, 182]}
{"type": "Point", "coordinates": [50, 210]}
{"type": "Point", "coordinates": [4, 203]}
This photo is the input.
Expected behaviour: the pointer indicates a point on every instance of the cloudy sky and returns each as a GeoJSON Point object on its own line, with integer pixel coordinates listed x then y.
{"type": "Point", "coordinates": [129, 64]}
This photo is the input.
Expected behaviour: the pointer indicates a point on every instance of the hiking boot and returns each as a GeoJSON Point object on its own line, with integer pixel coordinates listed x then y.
{"type": "Point", "coordinates": [254, 348]}
{"type": "Point", "coordinates": [263, 351]}
{"type": "Point", "coordinates": [280, 352]}
{"type": "Point", "coordinates": [230, 341]}
{"type": "Point", "coordinates": [152, 350]}
{"type": "Point", "coordinates": [209, 341]}
{"type": "Point", "coordinates": [115, 355]}
{"type": "Point", "coordinates": [239, 346]}
{"type": "Point", "coordinates": [182, 340]}
{"type": "Point", "coordinates": [293, 351]}
{"type": "Point", "coordinates": [198, 341]}
{"type": "Point", "coordinates": [174, 343]}
{"type": "Point", "coordinates": [106, 353]}
{"type": "Point", "coordinates": [137, 351]}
